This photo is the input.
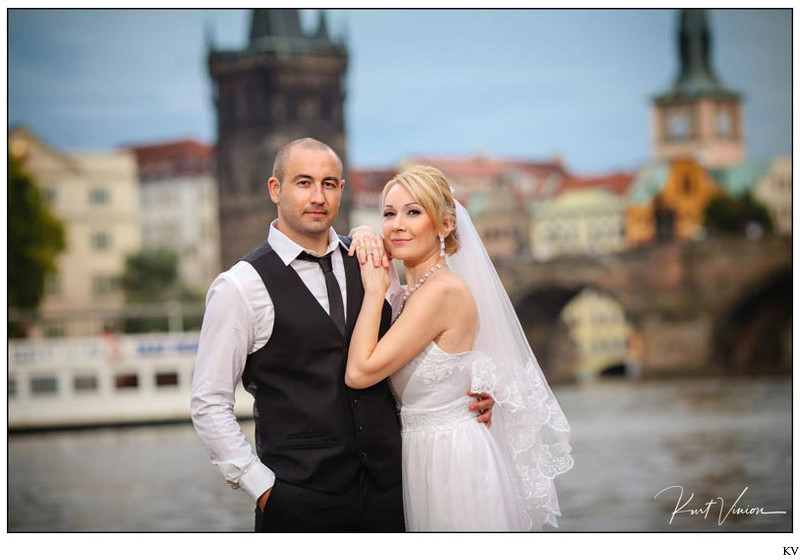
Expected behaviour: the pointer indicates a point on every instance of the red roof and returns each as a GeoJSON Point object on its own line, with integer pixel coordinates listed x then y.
{"type": "Point", "coordinates": [616, 183]}
{"type": "Point", "coordinates": [485, 166]}
{"type": "Point", "coordinates": [477, 166]}
{"type": "Point", "coordinates": [540, 169]}
{"type": "Point", "coordinates": [369, 180]}
{"type": "Point", "coordinates": [168, 159]}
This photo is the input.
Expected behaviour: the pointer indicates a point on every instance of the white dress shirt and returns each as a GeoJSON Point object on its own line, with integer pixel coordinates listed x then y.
{"type": "Point", "coordinates": [238, 321]}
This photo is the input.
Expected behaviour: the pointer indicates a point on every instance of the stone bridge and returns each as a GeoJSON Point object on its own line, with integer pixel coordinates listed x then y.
{"type": "Point", "coordinates": [719, 306]}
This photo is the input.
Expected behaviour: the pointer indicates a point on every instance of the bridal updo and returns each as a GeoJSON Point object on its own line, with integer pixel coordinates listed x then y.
{"type": "Point", "coordinates": [430, 188]}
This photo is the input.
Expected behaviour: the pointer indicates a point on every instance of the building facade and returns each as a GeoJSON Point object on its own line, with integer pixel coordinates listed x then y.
{"type": "Point", "coordinates": [96, 196]}
{"type": "Point", "coordinates": [498, 193]}
{"type": "Point", "coordinates": [601, 332]}
{"type": "Point", "coordinates": [285, 84]}
{"type": "Point", "coordinates": [179, 207]}
{"type": "Point", "coordinates": [578, 222]}
{"type": "Point", "coordinates": [366, 187]}
{"type": "Point", "coordinates": [774, 190]}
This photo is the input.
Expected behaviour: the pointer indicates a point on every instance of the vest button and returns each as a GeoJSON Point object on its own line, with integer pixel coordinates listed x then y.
{"type": "Point", "coordinates": [355, 402]}
{"type": "Point", "coordinates": [363, 456]}
{"type": "Point", "coordinates": [361, 428]}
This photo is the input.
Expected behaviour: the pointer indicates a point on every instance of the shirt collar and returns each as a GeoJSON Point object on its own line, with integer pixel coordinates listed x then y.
{"type": "Point", "coordinates": [288, 250]}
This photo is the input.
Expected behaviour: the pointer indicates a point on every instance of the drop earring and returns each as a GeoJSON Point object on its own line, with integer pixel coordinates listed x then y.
{"type": "Point", "coordinates": [441, 246]}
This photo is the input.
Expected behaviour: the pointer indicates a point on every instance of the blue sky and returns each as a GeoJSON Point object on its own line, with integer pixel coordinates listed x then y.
{"type": "Point", "coordinates": [517, 83]}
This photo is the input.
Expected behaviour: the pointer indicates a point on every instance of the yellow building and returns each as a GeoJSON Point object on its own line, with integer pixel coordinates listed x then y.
{"type": "Point", "coordinates": [774, 190]}
{"type": "Point", "coordinates": [579, 222]}
{"type": "Point", "coordinates": [597, 325]}
{"type": "Point", "coordinates": [96, 197]}
{"type": "Point", "coordinates": [667, 202]}
{"type": "Point", "coordinates": [685, 196]}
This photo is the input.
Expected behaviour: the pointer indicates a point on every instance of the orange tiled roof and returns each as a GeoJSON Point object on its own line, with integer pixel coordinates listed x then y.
{"type": "Point", "coordinates": [616, 183]}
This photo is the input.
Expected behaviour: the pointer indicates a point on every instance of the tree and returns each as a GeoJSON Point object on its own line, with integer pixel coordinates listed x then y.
{"type": "Point", "coordinates": [151, 276]}
{"type": "Point", "coordinates": [733, 215]}
{"type": "Point", "coordinates": [35, 238]}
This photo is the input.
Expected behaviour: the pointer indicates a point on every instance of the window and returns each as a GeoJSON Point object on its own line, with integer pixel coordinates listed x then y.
{"type": "Point", "coordinates": [50, 195]}
{"type": "Point", "coordinates": [687, 184]}
{"type": "Point", "coordinates": [44, 385]}
{"type": "Point", "coordinates": [102, 284]}
{"type": "Point", "coordinates": [101, 240]}
{"type": "Point", "coordinates": [724, 124]}
{"type": "Point", "coordinates": [52, 285]}
{"type": "Point", "coordinates": [53, 330]}
{"type": "Point", "coordinates": [166, 379]}
{"type": "Point", "coordinates": [291, 110]}
{"type": "Point", "coordinates": [123, 381]}
{"type": "Point", "coordinates": [85, 383]}
{"type": "Point", "coordinates": [326, 110]}
{"type": "Point", "coordinates": [679, 125]}
{"type": "Point", "coordinates": [278, 108]}
{"type": "Point", "coordinates": [99, 196]}
{"type": "Point", "coordinates": [309, 109]}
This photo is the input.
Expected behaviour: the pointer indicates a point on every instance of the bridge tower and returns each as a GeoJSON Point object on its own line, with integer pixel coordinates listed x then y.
{"type": "Point", "coordinates": [285, 84]}
{"type": "Point", "coordinates": [697, 117]}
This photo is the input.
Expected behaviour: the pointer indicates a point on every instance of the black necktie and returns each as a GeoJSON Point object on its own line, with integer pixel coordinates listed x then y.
{"type": "Point", "coordinates": [334, 293]}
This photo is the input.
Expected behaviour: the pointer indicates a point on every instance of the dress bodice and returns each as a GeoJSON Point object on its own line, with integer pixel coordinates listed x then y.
{"type": "Point", "coordinates": [432, 388]}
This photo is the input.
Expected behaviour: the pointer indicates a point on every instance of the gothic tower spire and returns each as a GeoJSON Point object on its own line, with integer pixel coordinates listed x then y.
{"type": "Point", "coordinates": [322, 26]}
{"type": "Point", "coordinates": [275, 22]}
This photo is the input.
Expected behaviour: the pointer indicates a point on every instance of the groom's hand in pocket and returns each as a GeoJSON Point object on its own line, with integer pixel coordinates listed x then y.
{"type": "Point", "coordinates": [262, 500]}
{"type": "Point", "coordinates": [483, 406]}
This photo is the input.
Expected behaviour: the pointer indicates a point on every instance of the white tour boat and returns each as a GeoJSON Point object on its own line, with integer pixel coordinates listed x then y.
{"type": "Point", "coordinates": [107, 380]}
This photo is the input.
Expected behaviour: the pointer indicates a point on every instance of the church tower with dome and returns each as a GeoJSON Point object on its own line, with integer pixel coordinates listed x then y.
{"type": "Point", "coordinates": [697, 117]}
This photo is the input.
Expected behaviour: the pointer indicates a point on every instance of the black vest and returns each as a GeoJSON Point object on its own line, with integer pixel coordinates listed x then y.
{"type": "Point", "coordinates": [310, 428]}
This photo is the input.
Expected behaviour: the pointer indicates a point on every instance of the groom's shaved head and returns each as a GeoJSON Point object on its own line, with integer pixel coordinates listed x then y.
{"type": "Point", "coordinates": [279, 167]}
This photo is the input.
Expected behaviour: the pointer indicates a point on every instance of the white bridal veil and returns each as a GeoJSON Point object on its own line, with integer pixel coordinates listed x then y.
{"type": "Point", "coordinates": [527, 419]}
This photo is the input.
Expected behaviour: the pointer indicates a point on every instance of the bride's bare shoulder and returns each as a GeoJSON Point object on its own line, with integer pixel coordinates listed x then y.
{"type": "Point", "coordinates": [453, 290]}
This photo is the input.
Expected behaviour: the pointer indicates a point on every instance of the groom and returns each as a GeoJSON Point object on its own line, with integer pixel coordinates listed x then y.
{"type": "Point", "coordinates": [328, 457]}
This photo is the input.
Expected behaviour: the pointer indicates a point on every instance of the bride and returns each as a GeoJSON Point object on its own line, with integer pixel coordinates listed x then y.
{"type": "Point", "coordinates": [457, 331]}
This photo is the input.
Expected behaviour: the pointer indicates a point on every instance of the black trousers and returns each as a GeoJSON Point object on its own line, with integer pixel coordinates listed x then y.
{"type": "Point", "coordinates": [364, 507]}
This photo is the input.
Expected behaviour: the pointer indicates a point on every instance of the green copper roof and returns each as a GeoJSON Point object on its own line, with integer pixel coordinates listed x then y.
{"type": "Point", "coordinates": [696, 77]}
{"type": "Point", "coordinates": [649, 181]}
{"type": "Point", "coordinates": [740, 179]}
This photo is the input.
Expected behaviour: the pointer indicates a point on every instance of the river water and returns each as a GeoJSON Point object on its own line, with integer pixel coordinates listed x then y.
{"type": "Point", "coordinates": [713, 437]}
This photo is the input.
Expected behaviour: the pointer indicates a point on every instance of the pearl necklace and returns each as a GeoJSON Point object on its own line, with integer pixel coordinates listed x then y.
{"type": "Point", "coordinates": [419, 283]}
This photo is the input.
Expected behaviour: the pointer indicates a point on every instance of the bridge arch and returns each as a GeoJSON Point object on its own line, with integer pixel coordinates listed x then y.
{"type": "Point", "coordinates": [541, 311]}
{"type": "Point", "coordinates": [752, 335]}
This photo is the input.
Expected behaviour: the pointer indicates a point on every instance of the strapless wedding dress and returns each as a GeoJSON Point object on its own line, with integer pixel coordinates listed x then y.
{"type": "Point", "coordinates": [456, 475]}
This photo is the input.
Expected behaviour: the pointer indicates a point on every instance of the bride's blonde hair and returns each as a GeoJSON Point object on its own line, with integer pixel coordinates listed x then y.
{"type": "Point", "coordinates": [430, 188]}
